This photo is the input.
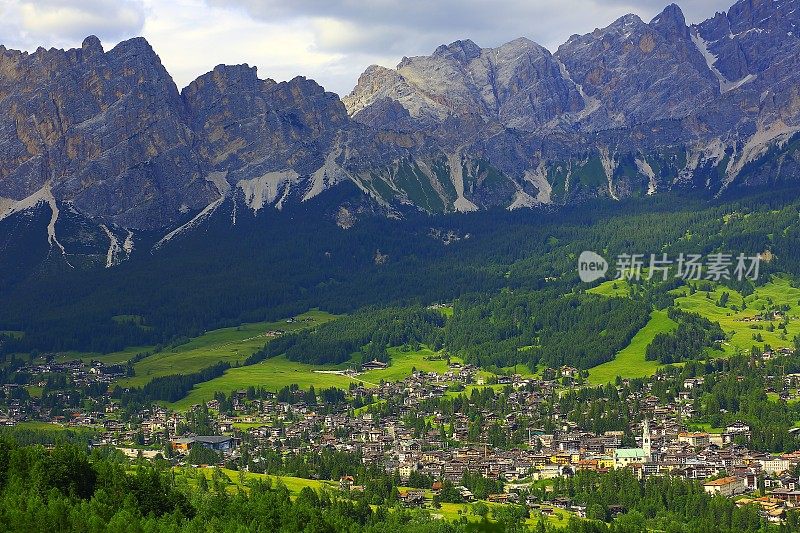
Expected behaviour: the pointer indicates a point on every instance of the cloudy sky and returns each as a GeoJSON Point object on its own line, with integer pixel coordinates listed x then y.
{"type": "Point", "coordinates": [331, 41]}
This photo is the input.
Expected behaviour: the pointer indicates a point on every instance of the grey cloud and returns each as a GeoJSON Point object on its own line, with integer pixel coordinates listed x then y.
{"type": "Point", "coordinates": [66, 23]}
{"type": "Point", "coordinates": [418, 26]}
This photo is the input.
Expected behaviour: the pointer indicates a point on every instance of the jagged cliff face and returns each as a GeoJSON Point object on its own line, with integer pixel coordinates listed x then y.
{"type": "Point", "coordinates": [631, 109]}
{"type": "Point", "coordinates": [109, 132]}
{"type": "Point", "coordinates": [246, 125]}
{"type": "Point", "coordinates": [632, 72]}
{"type": "Point", "coordinates": [518, 85]}
{"type": "Point", "coordinates": [106, 131]}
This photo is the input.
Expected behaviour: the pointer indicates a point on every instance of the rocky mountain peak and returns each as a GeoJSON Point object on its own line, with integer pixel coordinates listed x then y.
{"type": "Point", "coordinates": [518, 84]}
{"type": "Point", "coordinates": [625, 24]}
{"type": "Point", "coordinates": [748, 14]}
{"type": "Point", "coordinates": [138, 46]}
{"type": "Point", "coordinates": [91, 46]}
{"type": "Point", "coordinates": [671, 22]}
{"type": "Point", "coordinates": [225, 78]}
{"type": "Point", "coordinates": [463, 51]}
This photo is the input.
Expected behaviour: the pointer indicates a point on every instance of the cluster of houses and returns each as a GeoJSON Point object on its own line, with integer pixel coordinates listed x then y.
{"type": "Point", "coordinates": [663, 445]}
{"type": "Point", "coordinates": [79, 373]}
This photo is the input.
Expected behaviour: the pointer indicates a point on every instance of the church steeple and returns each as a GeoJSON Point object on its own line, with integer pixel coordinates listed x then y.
{"type": "Point", "coordinates": [648, 450]}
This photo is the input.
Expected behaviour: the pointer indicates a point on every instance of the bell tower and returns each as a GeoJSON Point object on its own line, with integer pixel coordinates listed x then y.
{"type": "Point", "coordinates": [646, 446]}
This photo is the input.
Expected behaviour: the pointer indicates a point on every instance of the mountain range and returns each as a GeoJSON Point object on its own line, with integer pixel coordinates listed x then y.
{"type": "Point", "coordinates": [102, 155]}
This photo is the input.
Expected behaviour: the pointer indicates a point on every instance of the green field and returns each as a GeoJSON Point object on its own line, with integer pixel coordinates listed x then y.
{"type": "Point", "coordinates": [404, 362]}
{"type": "Point", "coordinates": [612, 289]}
{"type": "Point", "coordinates": [704, 426]}
{"type": "Point", "coordinates": [447, 511]}
{"type": "Point", "coordinates": [630, 362]}
{"type": "Point", "coordinates": [227, 344]}
{"type": "Point", "coordinates": [740, 333]}
{"type": "Point", "coordinates": [108, 358]}
{"type": "Point", "coordinates": [447, 311]}
{"type": "Point", "coordinates": [521, 369]}
{"type": "Point", "coordinates": [35, 425]}
{"type": "Point", "coordinates": [272, 374]}
{"type": "Point", "coordinates": [278, 372]}
{"type": "Point", "coordinates": [293, 484]}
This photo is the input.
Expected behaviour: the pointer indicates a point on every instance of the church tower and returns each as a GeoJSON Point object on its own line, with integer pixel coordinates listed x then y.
{"type": "Point", "coordinates": [648, 450]}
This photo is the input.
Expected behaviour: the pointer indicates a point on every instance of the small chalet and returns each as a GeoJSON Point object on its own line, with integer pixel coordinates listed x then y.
{"type": "Point", "coordinates": [373, 365]}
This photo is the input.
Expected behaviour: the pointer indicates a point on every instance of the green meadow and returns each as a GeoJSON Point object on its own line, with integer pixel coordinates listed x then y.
{"type": "Point", "coordinates": [278, 372]}
{"type": "Point", "coordinates": [404, 362]}
{"type": "Point", "coordinates": [271, 374]}
{"type": "Point", "coordinates": [235, 480]}
{"type": "Point", "coordinates": [35, 425]}
{"type": "Point", "coordinates": [630, 362]}
{"type": "Point", "coordinates": [612, 289]}
{"type": "Point", "coordinates": [231, 345]}
{"type": "Point", "coordinates": [733, 319]}
{"type": "Point", "coordinates": [118, 357]}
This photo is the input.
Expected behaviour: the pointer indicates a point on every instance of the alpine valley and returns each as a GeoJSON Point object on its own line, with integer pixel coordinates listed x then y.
{"type": "Point", "coordinates": [251, 305]}
{"type": "Point", "coordinates": [103, 159]}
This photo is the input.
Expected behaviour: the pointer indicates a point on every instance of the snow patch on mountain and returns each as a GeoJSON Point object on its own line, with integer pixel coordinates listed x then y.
{"type": "Point", "coordinates": [725, 85]}
{"type": "Point", "coordinates": [736, 84]}
{"type": "Point", "coordinates": [461, 204]}
{"type": "Point", "coordinates": [223, 188]}
{"type": "Point", "coordinates": [590, 103]}
{"type": "Point", "coordinates": [709, 56]}
{"type": "Point", "coordinates": [272, 187]}
{"type": "Point", "coordinates": [112, 256]}
{"type": "Point", "coordinates": [539, 178]}
{"type": "Point", "coordinates": [645, 169]}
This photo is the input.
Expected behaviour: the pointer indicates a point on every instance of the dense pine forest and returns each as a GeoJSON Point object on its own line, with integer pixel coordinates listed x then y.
{"type": "Point", "coordinates": [282, 264]}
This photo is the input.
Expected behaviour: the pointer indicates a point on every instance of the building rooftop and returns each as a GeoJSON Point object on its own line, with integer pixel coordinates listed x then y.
{"type": "Point", "coordinates": [720, 482]}
{"type": "Point", "coordinates": [630, 452]}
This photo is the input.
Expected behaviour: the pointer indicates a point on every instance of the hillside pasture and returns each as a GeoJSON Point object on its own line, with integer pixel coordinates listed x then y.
{"type": "Point", "coordinates": [231, 345]}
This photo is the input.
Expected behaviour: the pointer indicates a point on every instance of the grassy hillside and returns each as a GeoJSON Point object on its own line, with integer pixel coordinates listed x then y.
{"type": "Point", "coordinates": [228, 344]}
{"type": "Point", "coordinates": [278, 372]}
{"type": "Point", "coordinates": [736, 322]}
{"type": "Point", "coordinates": [404, 362]}
{"type": "Point", "coordinates": [271, 374]}
{"type": "Point", "coordinates": [237, 480]}
{"type": "Point", "coordinates": [630, 362]}
{"type": "Point", "coordinates": [612, 289]}
{"type": "Point", "coordinates": [117, 357]}
{"type": "Point", "coordinates": [449, 511]}
{"type": "Point", "coordinates": [733, 319]}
